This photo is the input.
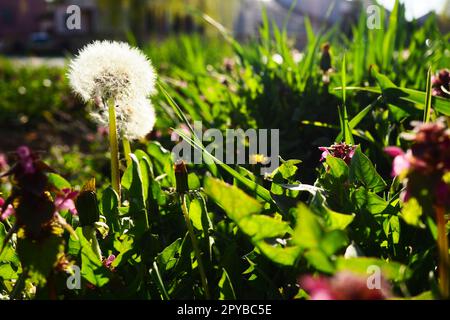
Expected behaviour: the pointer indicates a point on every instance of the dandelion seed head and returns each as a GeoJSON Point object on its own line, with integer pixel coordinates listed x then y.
{"type": "Point", "coordinates": [141, 122]}
{"type": "Point", "coordinates": [135, 118]}
{"type": "Point", "coordinates": [109, 69]}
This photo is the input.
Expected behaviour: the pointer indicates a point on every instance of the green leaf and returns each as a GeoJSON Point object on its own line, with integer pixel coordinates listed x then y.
{"type": "Point", "coordinates": [168, 258]}
{"type": "Point", "coordinates": [362, 169]}
{"type": "Point", "coordinates": [403, 96]}
{"type": "Point", "coordinates": [8, 255]}
{"type": "Point", "coordinates": [338, 221]}
{"type": "Point", "coordinates": [390, 270]}
{"type": "Point", "coordinates": [412, 213]}
{"type": "Point", "coordinates": [58, 181]}
{"type": "Point", "coordinates": [338, 168]}
{"type": "Point", "coordinates": [195, 214]}
{"type": "Point", "coordinates": [366, 200]}
{"type": "Point", "coordinates": [260, 227]}
{"type": "Point", "coordinates": [91, 265]}
{"type": "Point", "coordinates": [233, 201]}
{"type": "Point", "coordinates": [110, 208]}
{"type": "Point", "coordinates": [319, 260]}
{"type": "Point", "coordinates": [226, 290]}
{"type": "Point", "coordinates": [245, 212]}
{"type": "Point", "coordinates": [38, 258]}
{"type": "Point", "coordinates": [7, 272]}
{"type": "Point", "coordinates": [308, 231]}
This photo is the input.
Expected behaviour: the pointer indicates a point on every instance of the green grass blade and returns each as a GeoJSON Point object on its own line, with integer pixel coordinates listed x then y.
{"type": "Point", "coordinates": [251, 185]}
{"type": "Point", "coordinates": [427, 109]}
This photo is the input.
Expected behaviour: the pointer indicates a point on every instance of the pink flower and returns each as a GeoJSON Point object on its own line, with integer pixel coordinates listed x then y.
{"type": "Point", "coordinates": [339, 150]}
{"type": "Point", "coordinates": [343, 286]}
{"type": "Point", "coordinates": [26, 160]}
{"type": "Point", "coordinates": [401, 161]}
{"type": "Point", "coordinates": [9, 211]}
{"type": "Point", "coordinates": [325, 153]}
{"type": "Point", "coordinates": [108, 261]}
{"type": "Point", "coordinates": [65, 201]}
{"type": "Point", "coordinates": [394, 151]}
{"type": "Point", "coordinates": [441, 83]}
{"type": "Point", "coordinates": [175, 136]}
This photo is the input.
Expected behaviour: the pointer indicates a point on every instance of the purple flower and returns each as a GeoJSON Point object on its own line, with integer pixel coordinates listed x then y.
{"type": "Point", "coordinates": [340, 150]}
{"type": "Point", "coordinates": [441, 83]}
{"type": "Point", "coordinates": [343, 286]}
{"type": "Point", "coordinates": [9, 211]}
{"type": "Point", "coordinates": [65, 201]}
{"type": "Point", "coordinates": [424, 165]}
{"type": "Point", "coordinates": [108, 261]}
{"type": "Point", "coordinates": [401, 161]}
{"type": "Point", "coordinates": [26, 159]}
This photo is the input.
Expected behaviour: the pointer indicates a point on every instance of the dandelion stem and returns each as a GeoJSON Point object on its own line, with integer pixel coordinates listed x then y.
{"type": "Point", "coordinates": [126, 150]}
{"type": "Point", "coordinates": [195, 245]}
{"type": "Point", "coordinates": [114, 148]}
{"type": "Point", "coordinates": [442, 243]}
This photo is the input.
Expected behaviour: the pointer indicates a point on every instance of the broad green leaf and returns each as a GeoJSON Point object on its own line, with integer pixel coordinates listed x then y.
{"type": "Point", "coordinates": [91, 265]}
{"type": "Point", "coordinates": [245, 211]}
{"type": "Point", "coordinates": [110, 208]}
{"type": "Point", "coordinates": [58, 181]}
{"type": "Point", "coordinates": [260, 227]}
{"type": "Point", "coordinates": [319, 260]}
{"type": "Point", "coordinates": [390, 270]}
{"type": "Point", "coordinates": [7, 272]}
{"type": "Point", "coordinates": [338, 221]}
{"type": "Point", "coordinates": [362, 169]}
{"type": "Point", "coordinates": [333, 241]}
{"type": "Point", "coordinates": [233, 201]}
{"type": "Point", "coordinates": [308, 231]}
{"type": "Point", "coordinates": [168, 258]}
{"type": "Point", "coordinates": [338, 168]}
{"type": "Point", "coordinates": [366, 200]}
{"type": "Point", "coordinates": [412, 213]}
{"type": "Point", "coordinates": [286, 256]}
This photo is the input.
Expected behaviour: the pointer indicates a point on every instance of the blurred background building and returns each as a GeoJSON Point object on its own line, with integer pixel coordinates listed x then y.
{"type": "Point", "coordinates": [39, 26]}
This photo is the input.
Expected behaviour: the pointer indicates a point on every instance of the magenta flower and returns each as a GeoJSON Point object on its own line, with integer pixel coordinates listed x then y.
{"type": "Point", "coordinates": [343, 286]}
{"type": "Point", "coordinates": [441, 83]}
{"type": "Point", "coordinates": [65, 201]}
{"type": "Point", "coordinates": [340, 150]}
{"type": "Point", "coordinates": [26, 159]}
{"type": "Point", "coordinates": [425, 164]}
{"type": "Point", "coordinates": [108, 261]}
{"type": "Point", "coordinates": [9, 211]}
{"type": "Point", "coordinates": [401, 161]}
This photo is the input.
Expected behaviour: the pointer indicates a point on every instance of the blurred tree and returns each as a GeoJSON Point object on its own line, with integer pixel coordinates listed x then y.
{"type": "Point", "coordinates": [164, 15]}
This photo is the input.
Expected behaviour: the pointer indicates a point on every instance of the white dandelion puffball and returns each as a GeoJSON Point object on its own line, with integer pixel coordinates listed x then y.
{"type": "Point", "coordinates": [141, 121]}
{"type": "Point", "coordinates": [110, 69]}
{"type": "Point", "coordinates": [135, 118]}
{"type": "Point", "coordinates": [105, 70]}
